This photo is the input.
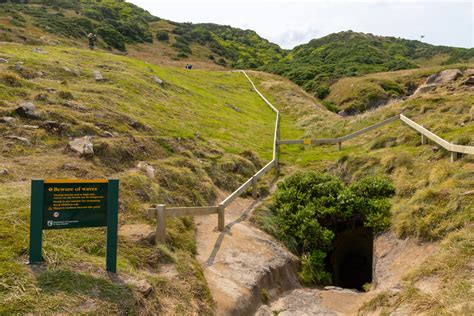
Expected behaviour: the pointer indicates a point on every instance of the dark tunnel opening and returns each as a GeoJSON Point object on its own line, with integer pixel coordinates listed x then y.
{"type": "Point", "coordinates": [351, 260]}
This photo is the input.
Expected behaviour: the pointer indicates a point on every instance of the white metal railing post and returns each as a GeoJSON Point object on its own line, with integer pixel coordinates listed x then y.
{"type": "Point", "coordinates": [160, 235]}
{"type": "Point", "coordinates": [423, 139]}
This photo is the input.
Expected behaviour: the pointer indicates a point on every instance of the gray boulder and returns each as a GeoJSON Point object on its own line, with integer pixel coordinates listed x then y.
{"type": "Point", "coordinates": [445, 76]}
{"type": "Point", "coordinates": [425, 88]}
{"type": "Point", "coordinates": [98, 76]}
{"type": "Point", "coordinates": [82, 146]}
{"type": "Point", "coordinates": [147, 168]}
{"type": "Point", "coordinates": [157, 80]}
{"type": "Point", "coordinates": [22, 140]}
{"type": "Point", "coordinates": [469, 81]}
{"type": "Point", "coordinates": [3, 61]}
{"type": "Point", "coordinates": [7, 120]}
{"type": "Point", "coordinates": [27, 110]}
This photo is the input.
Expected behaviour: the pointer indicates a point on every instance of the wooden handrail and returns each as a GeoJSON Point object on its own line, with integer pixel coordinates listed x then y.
{"type": "Point", "coordinates": [162, 212]}
{"type": "Point", "coordinates": [453, 148]}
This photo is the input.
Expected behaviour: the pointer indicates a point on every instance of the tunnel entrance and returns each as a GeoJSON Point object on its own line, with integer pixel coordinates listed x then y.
{"type": "Point", "coordinates": [351, 260]}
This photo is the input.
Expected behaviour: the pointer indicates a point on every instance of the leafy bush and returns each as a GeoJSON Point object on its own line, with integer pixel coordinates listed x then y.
{"type": "Point", "coordinates": [331, 106]}
{"type": "Point", "coordinates": [162, 36]}
{"type": "Point", "coordinates": [324, 60]}
{"type": "Point", "coordinates": [182, 47]}
{"type": "Point", "coordinates": [310, 209]}
{"type": "Point", "coordinates": [112, 37]}
{"type": "Point", "coordinates": [322, 92]}
{"type": "Point", "coordinates": [221, 61]}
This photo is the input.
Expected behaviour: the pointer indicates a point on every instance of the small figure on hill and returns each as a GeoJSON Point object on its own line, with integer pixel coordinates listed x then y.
{"type": "Point", "coordinates": [91, 38]}
{"type": "Point", "coordinates": [189, 66]}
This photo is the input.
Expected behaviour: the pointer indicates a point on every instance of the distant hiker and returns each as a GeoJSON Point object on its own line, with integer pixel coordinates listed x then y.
{"type": "Point", "coordinates": [91, 37]}
{"type": "Point", "coordinates": [187, 66]}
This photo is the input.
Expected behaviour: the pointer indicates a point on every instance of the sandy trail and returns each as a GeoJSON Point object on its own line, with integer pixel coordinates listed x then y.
{"type": "Point", "coordinates": [242, 260]}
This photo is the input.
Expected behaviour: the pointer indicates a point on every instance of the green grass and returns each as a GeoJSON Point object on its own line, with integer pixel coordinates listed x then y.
{"type": "Point", "coordinates": [358, 94]}
{"type": "Point", "coordinates": [433, 201]}
{"type": "Point", "coordinates": [193, 138]}
{"type": "Point", "coordinates": [186, 132]}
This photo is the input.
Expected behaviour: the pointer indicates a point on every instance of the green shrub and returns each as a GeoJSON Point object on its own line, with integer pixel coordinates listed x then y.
{"type": "Point", "coordinates": [221, 61]}
{"type": "Point", "coordinates": [313, 269]}
{"type": "Point", "coordinates": [162, 36]}
{"type": "Point", "coordinates": [322, 92]}
{"type": "Point", "coordinates": [310, 209]}
{"type": "Point", "coordinates": [111, 37]}
{"type": "Point", "coordinates": [331, 106]}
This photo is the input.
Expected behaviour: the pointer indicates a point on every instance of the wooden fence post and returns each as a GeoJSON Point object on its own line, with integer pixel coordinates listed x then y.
{"type": "Point", "coordinates": [160, 235]}
{"type": "Point", "coordinates": [221, 217]}
{"type": "Point", "coordinates": [254, 188]}
{"type": "Point", "coordinates": [423, 139]}
{"type": "Point", "coordinates": [454, 156]}
{"type": "Point", "coordinates": [339, 145]}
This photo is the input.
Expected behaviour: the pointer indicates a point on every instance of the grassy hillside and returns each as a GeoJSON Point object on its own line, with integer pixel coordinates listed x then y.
{"type": "Point", "coordinates": [316, 65]}
{"type": "Point", "coordinates": [353, 95]}
{"type": "Point", "coordinates": [434, 198]}
{"type": "Point", "coordinates": [121, 25]}
{"type": "Point", "coordinates": [195, 130]}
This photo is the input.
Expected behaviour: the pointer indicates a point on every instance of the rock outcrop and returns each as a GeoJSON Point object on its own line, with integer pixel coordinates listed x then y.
{"type": "Point", "coordinates": [98, 76]}
{"type": "Point", "coordinates": [27, 110]}
{"type": "Point", "coordinates": [82, 146]}
{"type": "Point", "coordinates": [445, 76]}
{"type": "Point", "coordinates": [242, 261]}
{"type": "Point", "coordinates": [441, 78]}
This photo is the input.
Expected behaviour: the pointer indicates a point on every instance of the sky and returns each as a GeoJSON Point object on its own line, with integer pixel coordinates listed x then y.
{"type": "Point", "coordinates": [290, 23]}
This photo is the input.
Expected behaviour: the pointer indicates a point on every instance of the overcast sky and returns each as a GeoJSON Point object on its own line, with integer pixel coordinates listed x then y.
{"type": "Point", "coordinates": [290, 23]}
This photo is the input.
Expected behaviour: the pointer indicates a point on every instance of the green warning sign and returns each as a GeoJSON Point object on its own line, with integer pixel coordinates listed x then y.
{"type": "Point", "coordinates": [74, 204]}
{"type": "Point", "coordinates": [58, 204]}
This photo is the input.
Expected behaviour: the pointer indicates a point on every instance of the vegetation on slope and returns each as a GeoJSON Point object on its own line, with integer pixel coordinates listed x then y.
{"type": "Point", "coordinates": [243, 48]}
{"type": "Point", "coordinates": [119, 23]}
{"type": "Point", "coordinates": [195, 130]}
{"type": "Point", "coordinates": [309, 211]}
{"type": "Point", "coordinates": [434, 198]}
{"type": "Point", "coordinates": [318, 64]}
{"type": "Point", "coordinates": [353, 95]}
{"type": "Point", "coordinates": [315, 66]}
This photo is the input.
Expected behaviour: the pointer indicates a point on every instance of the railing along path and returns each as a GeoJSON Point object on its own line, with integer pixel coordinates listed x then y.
{"type": "Point", "coordinates": [162, 212]}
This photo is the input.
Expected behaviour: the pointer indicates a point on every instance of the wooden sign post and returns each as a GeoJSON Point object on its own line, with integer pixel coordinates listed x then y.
{"type": "Point", "coordinates": [60, 204]}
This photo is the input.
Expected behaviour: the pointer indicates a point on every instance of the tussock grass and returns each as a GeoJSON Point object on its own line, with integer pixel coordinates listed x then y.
{"type": "Point", "coordinates": [433, 200]}
{"type": "Point", "coordinates": [182, 129]}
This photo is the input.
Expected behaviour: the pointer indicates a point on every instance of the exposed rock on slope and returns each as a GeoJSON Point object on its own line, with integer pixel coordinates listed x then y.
{"type": "Point", "coordinates": [242, 261]}
{"type": "Point", "coordinates": [441, 78]}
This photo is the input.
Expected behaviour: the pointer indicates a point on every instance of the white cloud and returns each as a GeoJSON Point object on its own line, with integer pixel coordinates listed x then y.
{"type": "Point", "coordinates": [290, 23]}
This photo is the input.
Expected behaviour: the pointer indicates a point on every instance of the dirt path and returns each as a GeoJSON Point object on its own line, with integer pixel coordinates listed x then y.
{"type": "Point", "coordinates": [241, 261]}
